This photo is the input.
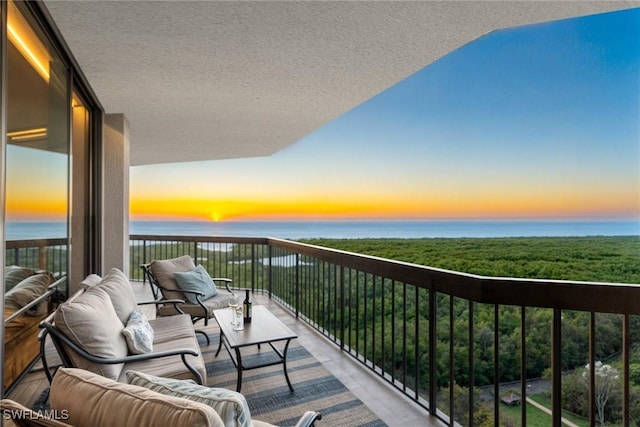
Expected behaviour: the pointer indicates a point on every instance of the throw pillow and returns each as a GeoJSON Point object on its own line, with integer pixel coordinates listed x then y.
{"type": "Point", "coordinates": [139, 334]}
{"type": "Point", "coordinates": [91, 322]}
{"type": "Point", "coordinates": [197, 280]}
{"type": "Point", "coordinates": [230, 405]}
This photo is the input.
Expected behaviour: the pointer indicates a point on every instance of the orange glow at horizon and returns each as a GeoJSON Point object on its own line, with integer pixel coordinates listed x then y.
{"type": "Point", "coordinates": [36, 209]}
{"type": "Point", "coordinates": [388, 207]}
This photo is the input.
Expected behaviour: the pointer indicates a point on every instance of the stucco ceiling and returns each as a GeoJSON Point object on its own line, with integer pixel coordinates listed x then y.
{"type": "Point", "coordinates": [202, 80]}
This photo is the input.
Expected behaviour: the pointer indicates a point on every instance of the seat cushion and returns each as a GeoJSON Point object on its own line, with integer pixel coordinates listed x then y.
{"type": "Point", "coordinates": [197, 280]}
{"type": "Point", "coordinates": [169, 328]}
{"type": "Point", "coordinates": [91, 400]}
{"type": "Point", "coordinates": [91, 322]}
{"type": "Point", "coordinates": [172, 366]}
{"type": "Point", "coordinates": [231, 406]}
{"type": "Point", "coordinates": [117, 285]}
{"type": "Point", "coordinates": [219, 301]}
{"type": "Point", "coordinates": [163, 271]}
{"type": "Point", "coordinates": [171, 333]}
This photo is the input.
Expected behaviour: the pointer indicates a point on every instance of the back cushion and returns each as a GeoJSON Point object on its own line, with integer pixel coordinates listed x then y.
{"type": "Point", "coordinates": [91, 400]}
{"type": "Point", "coordinates": [90, 280]}
{"type": "Point", "coordinates": [164, 270]}
{"type": "Point", "coordinates": [91, 322]}
{"type": "Point", "coordinates": [117, 285]}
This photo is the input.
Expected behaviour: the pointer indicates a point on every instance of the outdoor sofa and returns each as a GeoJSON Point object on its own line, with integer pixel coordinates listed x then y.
{"type": "Point", "coordinates": [100, 330]}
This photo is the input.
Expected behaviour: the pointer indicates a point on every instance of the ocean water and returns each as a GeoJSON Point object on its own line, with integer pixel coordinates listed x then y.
{"type": "Point", "coordinates": [349, 229]}
{"type": "Point", "coordinates": [388, 229]}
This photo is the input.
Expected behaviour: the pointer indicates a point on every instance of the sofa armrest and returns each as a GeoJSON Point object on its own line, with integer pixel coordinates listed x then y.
{"type": "Point", "coordinates": [161, 301]}
{"type": "Point", "coordinates": [225, 280]}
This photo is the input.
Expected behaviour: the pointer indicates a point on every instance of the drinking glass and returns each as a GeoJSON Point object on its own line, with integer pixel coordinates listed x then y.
{"type": "Point", "coordinates": [233, 304]}
{"type": "Point", "coordinates": [239, 324]}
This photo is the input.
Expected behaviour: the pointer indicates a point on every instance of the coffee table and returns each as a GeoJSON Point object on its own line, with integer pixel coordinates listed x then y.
{"type": "Point", "coordinates": [265, 328]}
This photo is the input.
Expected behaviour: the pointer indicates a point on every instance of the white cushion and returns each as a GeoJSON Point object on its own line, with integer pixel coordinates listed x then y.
{"type": "Point", "coordinates": [90, 280]}
{"type": "Point", "coordinates": [91, 322]}
{"type": "Point", "coordinates": [139, 334]}
{"type": "Point", "coordinates": [117, 285]}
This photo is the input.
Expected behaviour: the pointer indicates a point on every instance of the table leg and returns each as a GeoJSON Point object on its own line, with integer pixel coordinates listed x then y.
{"type": "Point", "coordinates": [284, 364]}
{"type": "Point", "coordinates": [239, 360]}
{"type": "Point", "coordinates": [219, 343]}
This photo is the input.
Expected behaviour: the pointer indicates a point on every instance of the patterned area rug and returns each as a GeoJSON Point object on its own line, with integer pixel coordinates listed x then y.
{"type": "Point", "coordinates": [269, 396]}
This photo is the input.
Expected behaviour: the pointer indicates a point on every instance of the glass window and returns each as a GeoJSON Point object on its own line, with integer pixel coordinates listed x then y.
{"type": "Point", "coordinates": [37, 156]}
{"type": "Point", "coordinates": [38, 106]}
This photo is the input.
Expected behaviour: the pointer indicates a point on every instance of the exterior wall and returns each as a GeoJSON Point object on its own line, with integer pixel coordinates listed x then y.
{"type": "Point", "coordinates": [79, 197]}
{"type": "Point", "coordinates": [115, 200]}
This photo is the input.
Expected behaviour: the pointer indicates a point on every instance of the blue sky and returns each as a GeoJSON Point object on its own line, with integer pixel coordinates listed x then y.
{"type": "Point", "coordinates": [533, 122]}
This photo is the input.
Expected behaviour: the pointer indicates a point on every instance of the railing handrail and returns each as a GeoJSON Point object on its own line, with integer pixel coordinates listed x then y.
{"type": "Point", "coordinates": [34, 243]}
{"type": "Point", "coordinates": [570, 295]}
{"type": "Point", "coordinates": [207, 239]}
{"type": "Point", "coordinates": [603, 297]}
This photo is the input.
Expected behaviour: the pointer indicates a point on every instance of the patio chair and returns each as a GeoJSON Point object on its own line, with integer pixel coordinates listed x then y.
{"type": "Point", "coordinates": [198, 303]}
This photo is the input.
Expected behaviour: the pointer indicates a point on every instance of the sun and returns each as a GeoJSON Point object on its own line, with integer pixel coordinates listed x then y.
{"type": "Point", "coordinates": [215, 216]}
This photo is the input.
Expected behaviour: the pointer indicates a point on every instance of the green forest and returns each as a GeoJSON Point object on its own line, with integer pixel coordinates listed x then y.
{"type": "Point", "coordinates": [593, 259]}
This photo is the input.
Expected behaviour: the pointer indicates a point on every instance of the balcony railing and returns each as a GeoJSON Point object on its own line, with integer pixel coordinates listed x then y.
{"type": "Point", "coordinates": [407, 323]}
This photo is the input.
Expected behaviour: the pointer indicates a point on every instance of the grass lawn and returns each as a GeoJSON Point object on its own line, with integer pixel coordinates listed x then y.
{"type": "Point", "coordinates": [537, 417]}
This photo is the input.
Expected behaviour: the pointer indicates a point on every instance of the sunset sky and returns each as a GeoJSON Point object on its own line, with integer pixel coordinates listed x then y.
{"type": "Point", "coordinates": [533, 122]}
{"type": "Point", "coordinates": [36, 185]}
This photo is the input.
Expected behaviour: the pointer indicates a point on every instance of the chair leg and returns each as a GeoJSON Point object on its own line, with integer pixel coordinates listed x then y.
{"type": "Point", "coordinates": [205, 335]}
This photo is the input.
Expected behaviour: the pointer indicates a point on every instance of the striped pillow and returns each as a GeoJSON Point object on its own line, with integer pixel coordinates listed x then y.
{"type": "Point", "coordinates": [231, 406]}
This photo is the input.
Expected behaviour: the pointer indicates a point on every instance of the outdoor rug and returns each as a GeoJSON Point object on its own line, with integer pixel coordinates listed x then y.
{"type": "Point", "coordinates": [269, 397]}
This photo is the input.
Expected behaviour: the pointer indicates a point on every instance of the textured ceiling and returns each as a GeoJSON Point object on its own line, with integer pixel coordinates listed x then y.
{"type": "Point", "coordinates": [212, 80]}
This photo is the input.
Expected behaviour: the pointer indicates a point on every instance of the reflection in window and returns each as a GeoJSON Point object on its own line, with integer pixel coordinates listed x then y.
{"type": "Point", "coordinates": [37, 185]}
{"type": "Point", "coordinates": [37, 156]}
